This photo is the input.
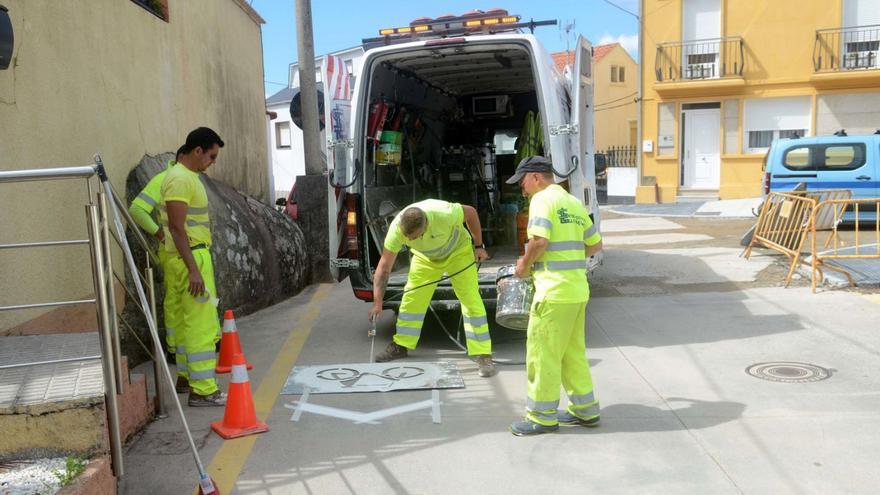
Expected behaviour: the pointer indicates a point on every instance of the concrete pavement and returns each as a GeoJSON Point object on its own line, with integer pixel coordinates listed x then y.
{"type": "Point", "coordinates": [672, 327]}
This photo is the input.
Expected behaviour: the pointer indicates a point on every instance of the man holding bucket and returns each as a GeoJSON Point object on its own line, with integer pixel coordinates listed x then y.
{"type": "Point", "coordinates": [435, 233]}
{"type": "Point", "coordinates": [561, 238]}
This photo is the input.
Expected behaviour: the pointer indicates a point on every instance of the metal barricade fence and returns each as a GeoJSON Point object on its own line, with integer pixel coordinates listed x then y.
{"type": "Point", "coordinates": [862, 212]}
{"type": "Point", "coordinates": [783, 226]}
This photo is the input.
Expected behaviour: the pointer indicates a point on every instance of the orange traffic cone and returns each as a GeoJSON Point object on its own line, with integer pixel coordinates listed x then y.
{"type": "Point", "coordinates": [240, 418]}
{"type": "Point", "coordinates": [229, 345]}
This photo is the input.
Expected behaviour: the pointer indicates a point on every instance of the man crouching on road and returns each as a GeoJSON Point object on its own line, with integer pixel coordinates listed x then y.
{"type": "Point", "coordinates": [561, 238]}
{"type": "Point", "coordinates": [433, 230]}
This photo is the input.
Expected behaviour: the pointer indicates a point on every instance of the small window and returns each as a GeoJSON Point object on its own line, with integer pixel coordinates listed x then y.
{"type": "Point", "coordinates": [797, 158]}
{"type": "Point", "coordinates": [843, 157]}
{"type": "Point", "coordinates": [621, 76]}
{"type": "Point", "coordinates": [614, 73]}
{"type": "Point", "coordinates": [792, 133]}
{"type": "Point", "coordinates": [282, 135]}
{"type": "Point", "coordinates": [760, 139]}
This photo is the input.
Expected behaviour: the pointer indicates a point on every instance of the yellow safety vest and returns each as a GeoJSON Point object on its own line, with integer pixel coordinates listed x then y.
{"type": "Point", "coordinates": [560, 273]}
{"type": "Point", "coordinates": [445, 232]}
{"type": "Point", "coordinates": [182, 184]}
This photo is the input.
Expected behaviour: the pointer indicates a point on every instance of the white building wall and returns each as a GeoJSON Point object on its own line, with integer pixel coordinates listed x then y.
{"type": "Point", "coordinates": [287, 163]}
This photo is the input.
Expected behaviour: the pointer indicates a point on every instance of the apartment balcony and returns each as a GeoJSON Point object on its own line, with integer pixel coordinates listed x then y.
{"type": "Point", "coordinates": [707, 67]}
{"type": "Point", "coordinates": [847, 57]}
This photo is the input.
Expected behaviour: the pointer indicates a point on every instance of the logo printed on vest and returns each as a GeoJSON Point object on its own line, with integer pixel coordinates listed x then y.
{"type": "Point", "coordinates": [566, 217]}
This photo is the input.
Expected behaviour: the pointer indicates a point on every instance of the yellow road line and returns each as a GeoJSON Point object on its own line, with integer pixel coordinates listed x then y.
{"type": "Point", "coordinates": [227, 464]}
{"type": "Point", "coordinates": [874, 298]}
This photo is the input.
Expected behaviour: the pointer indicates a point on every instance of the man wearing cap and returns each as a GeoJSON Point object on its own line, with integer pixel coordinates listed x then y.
{"type": "Point", "coordinates": [434, 232]}
{"type": "Point", "coordinates": [561, 238]}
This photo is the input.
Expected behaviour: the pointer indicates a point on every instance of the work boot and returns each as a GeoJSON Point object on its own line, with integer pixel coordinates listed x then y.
{"type": "Point", "coordinates": [526, 427]}
{"type": "Point", "coordinates": [182, 385]}
{"type": "Point", "coordinates": [217, 399]}
{"type": "Point", "coordinates": [392, 352]}
{"type": "Point", "coordinates": [568, 419]}
{"type": "Point", "coordinates": [486, 365]}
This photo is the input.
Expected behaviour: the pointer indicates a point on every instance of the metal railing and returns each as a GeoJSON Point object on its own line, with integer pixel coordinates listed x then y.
{"type": "Point", "coordinates": [857, 211]}
{"type": "Point", "coordinates": [715, 58]}
{"type": "Point", "coordinates": [848, 48]}
{"type": "Point", "coordinates": [619, 156]}
{"type": "Point", "coordinates": [99, 235]}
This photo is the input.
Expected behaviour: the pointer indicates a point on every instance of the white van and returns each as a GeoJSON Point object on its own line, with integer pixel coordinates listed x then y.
{"type": "Point", "coordinates": [435, 114]}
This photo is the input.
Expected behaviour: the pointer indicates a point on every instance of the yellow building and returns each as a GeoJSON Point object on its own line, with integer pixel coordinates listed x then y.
{"type": "Point", "coordinates": [721, 79]}
{"type": "Point", "coordinates": [614, 91]}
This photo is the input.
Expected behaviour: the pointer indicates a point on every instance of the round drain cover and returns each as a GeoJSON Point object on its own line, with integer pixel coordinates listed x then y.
{"type": "Point", "coordinates": [789, 372]}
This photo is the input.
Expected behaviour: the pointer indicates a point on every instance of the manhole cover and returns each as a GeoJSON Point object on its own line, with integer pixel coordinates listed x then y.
{"type": "Point", "coordinates": [789, 372]}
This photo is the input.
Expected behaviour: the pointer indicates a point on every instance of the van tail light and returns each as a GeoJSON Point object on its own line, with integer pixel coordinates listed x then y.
{"type": "Point", "coordinates": [766, 183]}
{"type": "Point", "coordinates": [351, 227]}
{"type": "Point", "coordinates": [364, 295]}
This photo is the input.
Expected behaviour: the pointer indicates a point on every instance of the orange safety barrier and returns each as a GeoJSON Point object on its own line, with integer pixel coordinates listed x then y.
{"type": "Point", "coordinates": [863, 212]}
{"type": "Point", "coordinates": [783, 225]}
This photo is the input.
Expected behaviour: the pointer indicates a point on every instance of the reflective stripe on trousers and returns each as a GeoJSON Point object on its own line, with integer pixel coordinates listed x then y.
{"type": "Point", "coordinates": [555, 352]}
{"type": "Point", "coordinates": [198, 326]}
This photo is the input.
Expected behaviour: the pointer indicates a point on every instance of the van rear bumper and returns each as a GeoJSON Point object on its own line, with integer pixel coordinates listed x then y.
{"type": "Point", "coordinates": [443, 298]}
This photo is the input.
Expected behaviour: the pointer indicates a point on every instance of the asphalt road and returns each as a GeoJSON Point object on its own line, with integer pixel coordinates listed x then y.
{"type": "Point", "coordinates": [674, 323]}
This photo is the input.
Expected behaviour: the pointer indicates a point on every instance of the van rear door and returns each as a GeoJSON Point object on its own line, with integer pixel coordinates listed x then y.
{"type": "Point", "coordinates": [790, 164]}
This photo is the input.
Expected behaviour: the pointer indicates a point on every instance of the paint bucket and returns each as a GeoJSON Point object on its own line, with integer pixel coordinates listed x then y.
{"type": "Point", "coordinates": [390, 147]}
{"type": "Point", "coordinates": [514, 299]}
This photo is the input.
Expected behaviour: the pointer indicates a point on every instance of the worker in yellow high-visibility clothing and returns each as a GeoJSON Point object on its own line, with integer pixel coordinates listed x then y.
{"type": "Point", "coordinates": [531, 138]}
{"type": "Point", "coordinates": [144, 210]}
{"type": "Point", "coordinates": [184, 208]}
{"type": "Point", "coordinates": [561, 238]}
{"type": "Point", "coordinates": [434, 232]}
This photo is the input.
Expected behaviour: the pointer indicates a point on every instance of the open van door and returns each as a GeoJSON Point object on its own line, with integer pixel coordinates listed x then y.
{"type": "Point", "coordinates": [339, 147]}
{"type": "Point", "coordinates": [582, 142]}
{"type": "Point", "coordinates": [582, 117]}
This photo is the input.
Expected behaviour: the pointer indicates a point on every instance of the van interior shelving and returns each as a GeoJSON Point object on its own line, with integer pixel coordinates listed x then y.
{"type": "Point", "coordinates": [442, 124]}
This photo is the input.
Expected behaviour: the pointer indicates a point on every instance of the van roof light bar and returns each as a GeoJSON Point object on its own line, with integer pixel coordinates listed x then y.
{"type": "Point", "coordinates": [471, 23]}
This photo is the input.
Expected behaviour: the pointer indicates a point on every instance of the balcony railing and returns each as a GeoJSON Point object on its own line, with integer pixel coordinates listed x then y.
{"type": "Point", "coordinates": [845, 49]}
{"type": "Point", "coordinates": [700, 59]}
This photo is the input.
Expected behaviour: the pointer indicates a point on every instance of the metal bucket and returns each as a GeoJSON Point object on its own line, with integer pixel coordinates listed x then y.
{"type": "Point", "coordinates": [514, 299]}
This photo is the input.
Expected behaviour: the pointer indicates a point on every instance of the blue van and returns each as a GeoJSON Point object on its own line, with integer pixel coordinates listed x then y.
{"type": "Point", "coordinates": [825, 162]}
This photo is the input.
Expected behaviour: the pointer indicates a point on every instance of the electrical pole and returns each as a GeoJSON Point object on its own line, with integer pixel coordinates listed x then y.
{"type": "Point", "coordinates": [308, 92]}
{"type": "Point", "coordinates": [313, 193]}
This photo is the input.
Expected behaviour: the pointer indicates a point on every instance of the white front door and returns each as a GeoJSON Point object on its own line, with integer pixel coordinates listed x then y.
{"type": "Point", "coordinates": [702, 148]}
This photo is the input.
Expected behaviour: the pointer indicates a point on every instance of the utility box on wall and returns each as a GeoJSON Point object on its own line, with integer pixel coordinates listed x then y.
{"type": "Point", "coordinates": [6, 38]}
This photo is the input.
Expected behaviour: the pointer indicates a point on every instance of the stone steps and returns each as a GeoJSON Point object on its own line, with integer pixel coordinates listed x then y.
{"type": "Point", "coordinates": [54, 410]}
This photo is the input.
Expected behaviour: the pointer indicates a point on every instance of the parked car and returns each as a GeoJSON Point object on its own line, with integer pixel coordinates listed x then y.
{"type": "Point", "coordinates": [825, 162]}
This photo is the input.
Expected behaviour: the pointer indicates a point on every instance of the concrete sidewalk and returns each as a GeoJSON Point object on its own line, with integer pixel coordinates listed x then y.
{"type": "Point", "coordinates": [672, 333]}
{"type": "Point", "coordinates": [730, 208]}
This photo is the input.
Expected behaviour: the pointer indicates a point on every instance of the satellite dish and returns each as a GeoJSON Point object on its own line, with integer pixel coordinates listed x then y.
{"type": "Point", "coordinates": [296, 109]}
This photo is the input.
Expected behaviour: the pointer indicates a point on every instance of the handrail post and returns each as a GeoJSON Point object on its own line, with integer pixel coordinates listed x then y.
{"type": "Point", "coordinates": [104, 222]}
{"type": "Point", "coordinates": [110, 390]}
{"type": "Point", "coordinates": [161, 409]}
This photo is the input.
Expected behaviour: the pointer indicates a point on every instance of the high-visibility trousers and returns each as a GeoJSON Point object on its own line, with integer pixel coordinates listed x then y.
{"type": "Point", "coordinates": [170, 306]}
{"type": "Point", "coordinates": [198, 325]}
{"type": "Point", "coordinates": [556, 354]}
{"type": "Point", "coordinates": [414, 305]}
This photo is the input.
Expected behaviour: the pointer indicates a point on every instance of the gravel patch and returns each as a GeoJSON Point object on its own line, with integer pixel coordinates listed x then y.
{"type": "Point", "coordinates": [34, 477]}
